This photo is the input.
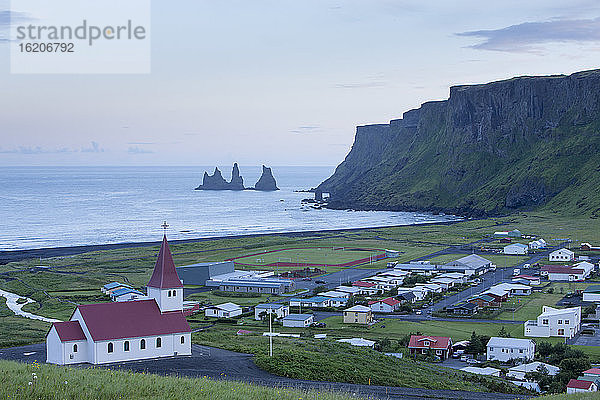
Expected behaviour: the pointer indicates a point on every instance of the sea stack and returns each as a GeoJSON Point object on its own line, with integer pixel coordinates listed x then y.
{"type": "Point", "coordinates": [237, 182]}
{"type": "Point", "coordinates": [213, 182]}
{"type": "Point", "coordinates": [267, 181]}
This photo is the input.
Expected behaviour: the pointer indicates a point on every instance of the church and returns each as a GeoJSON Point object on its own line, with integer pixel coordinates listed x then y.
{"type": "Point", "coordinates": [126, 331]}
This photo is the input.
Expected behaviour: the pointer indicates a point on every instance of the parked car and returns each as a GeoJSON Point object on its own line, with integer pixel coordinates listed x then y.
{"type": "Point", "coordinates": [306, 279]}
{"type": "Point", "coordinates": [465, 357]}
{"type": "Point", "coordinates": [320, 282]}
{"type": "Point", "coordinates": [455, 355]}
{"type": "Point", "coordinates": [472, 361]}
{"type": "Point", "coordinates": [319, 324]}
{"type": "Point", "coordinates": [418, 312]}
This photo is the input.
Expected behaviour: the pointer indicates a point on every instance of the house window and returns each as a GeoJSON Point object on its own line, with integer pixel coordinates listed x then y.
{"type": "Point", "coordinates": [423, 351]}
{"type": "Point", "coordinates": [126, 345]}
{"type": "Point", "coordinates": [142, 344]}
{"type": "Point", "coordinates": [158, 342]}
{"type": "Point", "coordinates": [491, 349]}
{"type": "Point", "coordinates": [438, 352]}
{"type": "Point", "coordinates": [426, 343]}
{"type": "Point", "coordinates": [75, 348]}
{"type": "Point", "coordinates": [521, 351]}
{"type": "Point", "coordinates": [544, 322]}
{"type": "Point", "coordinates": [110, 347]}
{"type": "Point", "coordinates": [560, 321]}
{"type": "Point", "coordinates": [561, 332]}
{"type": "Point", "coordinates": [566, 322]}
{"type": "Point", "coordinates": [182, 339]}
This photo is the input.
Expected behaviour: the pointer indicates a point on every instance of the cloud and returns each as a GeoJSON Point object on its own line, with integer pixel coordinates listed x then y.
{"type": "Point", "coordinates": [306, 129]}
{"type": "Point", "coordinates": [138, 150]}
{"type": "Point", "coordinates": [94, 149]}
{"type": "Point", "coordinates": [360, 85]}
{"type": "Point", "coordinates": [36, 150]}
{"type": "Point", "coordinates": [529, 36]}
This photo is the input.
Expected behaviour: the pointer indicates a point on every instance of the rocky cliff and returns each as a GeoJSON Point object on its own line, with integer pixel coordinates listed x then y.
{"type": "Point", "coordinates": [266, 182]}
{"type": "Point", "coordinates": [522, 143]}
{"type": "Point", "coordinates": [217, 182]}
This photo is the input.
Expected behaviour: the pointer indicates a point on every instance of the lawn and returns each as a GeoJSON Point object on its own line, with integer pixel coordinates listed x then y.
{"type": "Point", "coordinates": [212, 298]}
{"type": "Point", "coordinates": [34, 381]}
{"type": "Point", "coordinates": [305, 256]}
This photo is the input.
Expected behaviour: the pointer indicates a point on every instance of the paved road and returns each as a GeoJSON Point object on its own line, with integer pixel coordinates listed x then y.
{"type": "Point", "coordinates": [222, 364]}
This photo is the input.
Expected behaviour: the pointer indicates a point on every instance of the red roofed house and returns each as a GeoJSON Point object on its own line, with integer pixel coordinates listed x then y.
{"type": "Point", "coordinates": [576, 386]}
{"type": "Point", "coordinates": [436, 345]}
{"type": "Point", "coordinates": [385, 306]}
{"type": "Point", "coordinates": [368, 288]}
{"type": "Point", "coordinates": [124, 331]}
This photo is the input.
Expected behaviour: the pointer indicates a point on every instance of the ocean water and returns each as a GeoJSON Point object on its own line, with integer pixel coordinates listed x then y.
{"type": "Point", "coordinates": [66, 206]}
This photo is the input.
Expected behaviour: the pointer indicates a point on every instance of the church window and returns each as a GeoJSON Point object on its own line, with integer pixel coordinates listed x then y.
{"type": "Point", "coordinates": [143, 344]}
{"type": "Point", "coordinates": [110, 347]}
{"type": "Point", "coordinates": [182, 339]}
{"type": "Point", "coordinates": [75, 348]}
{"type": "Point", "coordinates": [158, 342]}
{"type": "Point", "coordinates": [126, 345]}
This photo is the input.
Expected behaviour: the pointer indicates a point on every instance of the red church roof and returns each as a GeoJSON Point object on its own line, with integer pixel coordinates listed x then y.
{"type": "Point", "coordinates": [129, 319]}
{"type": "Point", "coordinates": [577, 384]}
{"type": "Point", "coordinates": [69, 331]}
{"type": "Point", "coordinates": [164, 275]}
{"type": "Point", "coordinates": [435, 342]}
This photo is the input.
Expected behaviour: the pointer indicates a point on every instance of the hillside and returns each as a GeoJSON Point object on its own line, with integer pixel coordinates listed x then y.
{"type": "Point", "coordinates": [523, 143]}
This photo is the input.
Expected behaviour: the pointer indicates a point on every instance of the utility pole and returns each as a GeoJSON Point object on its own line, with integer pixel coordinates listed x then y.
{"type": "Point", "coordinates": [270, 332]}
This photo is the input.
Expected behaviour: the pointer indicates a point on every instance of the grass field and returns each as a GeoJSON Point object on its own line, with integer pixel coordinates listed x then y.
{"type": "Point", "coordinates": [18, 382]}
{"type": "Point", "coordinates": [308, 256]}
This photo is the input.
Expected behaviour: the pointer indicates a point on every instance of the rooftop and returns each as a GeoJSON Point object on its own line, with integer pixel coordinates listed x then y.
{"type": "Point", "coordinates": [69, 331]}
{"type": "Point", "coordinates": [509, 342]}
{"type": "Point", "coordinates": [435, 342]}
{"type": "Point", "coordinates": [164, 275]}
{"type": "Point", "coordinates": [577, 384]}
{"type": "Point", "coordinates": [358, 308]}
{"type": "Point", "coordinates": [298, 317]}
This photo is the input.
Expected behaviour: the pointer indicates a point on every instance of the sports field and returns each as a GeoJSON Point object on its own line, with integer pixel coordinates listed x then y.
{"type": "Point", "coordinates": [338, 257]}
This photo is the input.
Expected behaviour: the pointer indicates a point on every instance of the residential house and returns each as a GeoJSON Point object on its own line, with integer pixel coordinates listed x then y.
{"type": "Point", "coordinates": [418, 292]}
{"type": "Point", "coordinates": [110, 287]}
{"type": "Point", "coordinates": [358, 315]}
{"type": "Point", "coordinates": [383, 283]}
{"type": "Point", "coordinates": [335, 294]}
{"type": "Point", "coordinates": [445, 283]}
{"type": "Point", "coordinates": [367, 288]}
{"type": "Point", "coordinates": [435, 345]}
{"type": "Point", "coordinates": [127, 294]}
{"type": "Point", "coordinates": [515, 233]}
{"type": "Point", "coordinates": [278, 310]}
{"type": "Point", "coordinates": [225, 310]}
{"type": "Point", "coordinates": [430, 287]}
{"type": "Point", "coordinates": [518, 372]}
{"type": "Point", "coordinates": [498, 293]}
{"type": "Point", "coordinates": [514, 289]}
{"type": "Point", "coordinates": [592, 294]}
{"type": "Point", "coordinates": [485, 301]}
{"type": "Point", "coordinates": [463, 309]}
{"type": "Point", "coordinates": [469, 265]}
{"type": "Point", "coordinates": [505, 349]}
{"type": "Point", "coordinates": [351, 290]}
{"type": "Point", "coordinates": [592, 373]}
{"type": "Point", "coordinates": [589, 247]}
{"type": "Point", "coordinates": [537, 244]}
{"type": "Point", "coordinates": [458, 277]}
{"type": "Point", "coordinates": [554, 322]}
{"type": "Point", "coordinates": [297, 320]}
{"type": "Point", "coordinates": [516, 249]}
{"type": "Point", "coordinates": [338, 301]}
{"type": "Point", "coordinates": [578, 386]}
{"type": "Point", "coordinates": [561, 255]}
{"type": "Point", "coordinates": [408, 297]}
{"type": "Point", "coordinates": [388, 305]}
{"type": "Point", "coordinates": [311, 302]}
{"type": "Point", "coordinates": [563, 273]}
{"type": "Point", "coordinates": [527, 280]}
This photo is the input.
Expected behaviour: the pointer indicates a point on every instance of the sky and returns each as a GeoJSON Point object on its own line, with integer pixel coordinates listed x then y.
{"type": "Point", "coordinates": [281, 82]}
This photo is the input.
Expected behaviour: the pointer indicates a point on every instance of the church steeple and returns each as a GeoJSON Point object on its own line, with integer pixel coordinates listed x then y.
{"type": "Point", "coordinates": [165, 286]}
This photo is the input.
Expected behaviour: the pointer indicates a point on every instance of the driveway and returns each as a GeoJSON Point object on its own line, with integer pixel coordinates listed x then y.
{"type": "Point", "coordinates": [227, 365]}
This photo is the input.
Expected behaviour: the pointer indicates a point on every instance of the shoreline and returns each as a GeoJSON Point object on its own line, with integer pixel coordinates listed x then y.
{"type": "Point", "coordinates": [7, 256]}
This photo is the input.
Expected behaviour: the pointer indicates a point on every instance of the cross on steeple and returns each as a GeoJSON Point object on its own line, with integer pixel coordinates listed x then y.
{"type": "Point", "coordinates": [165, 226]}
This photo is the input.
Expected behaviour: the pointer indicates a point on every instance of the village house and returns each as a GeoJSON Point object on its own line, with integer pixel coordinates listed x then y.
{"type": "Point", "coordinates": [430, 287]}
{"type": "Point", "coordinates": [312, 302]}
{"type": "Point", "coordinates": [469, 265]}
{"type": "Point", "coordinates": [537, 244]}
{"type": "Point", "coordinates": [463, 309]}
{"type": "Point", "coordinates": [506, 349]}
{"type": "Point", "coordinates": [445, 283]}
{"type": "Point", "coordinates": [591, 374]}
{"type": "Point", "coordinates": [592, 294]}
{"type": "Point", "coordinates": [358, 315]}
{"type": "Point", "coordinates": [457, 276]}
{"type": "Point", "coordinates": [527, 280]}
{"type": "Point", "coordinates": [561, 255]}
{"type": "Point", "coordinates": [499, 294]}
{"type": "Point", "coordinates": [418, 291]}
{"type": "Point", "coordinates": [351, 290]}
{"type": "Point", "coordinates": [485, 301]}
{"type": "Point", "coordinates": [110, 287]}
{"type": "Point", "coordinates": [589, 247]}
{"type": "Point", "coordinates": [335, 294]}
{"type": "Point", "coordinates": [554, 322]}
{"type": "Point", "coordinates": [126, 331]}
{"type": "Point", "coordinates": [338, 302]}
{"type": "Point", "coordinates": [367, 288]}
{"type": "Point", "coordinates": [516, 249]}
{"type": "Point", "coordinates": [388, 305]}
{"type": "Point", "coordinates": [563, 273]}
{"type": "Point", "coordinates": [297, 320]}
{"type": "Point", "coordinates": [434, 345]}
{"type": "Point", "coordinates": [225, 310]}
{"type": "Point", "coordinates": [408, 297]}
{"type": "Point", "coordinates": [514, 289]}
{"type": "Point", "coordinates": [579, 386]}
{"type": "Point", "coordinates": [518, 372]}
{"type": "Point", "coordinates": [278, 310]}
{"type": "Point", "coordinates": [127, 294]}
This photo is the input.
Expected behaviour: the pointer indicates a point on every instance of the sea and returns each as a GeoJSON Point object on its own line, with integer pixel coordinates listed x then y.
{"type": "Point", "coordinates": [46, 207]}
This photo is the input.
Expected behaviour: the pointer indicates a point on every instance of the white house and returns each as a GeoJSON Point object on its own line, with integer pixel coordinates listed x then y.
{"type": "Point", "coordinates": [335, 294]}
{"type": "Point", "coordinates": [592, 294]}
{"type": "Point", "coordinates": [563, 273]}
{"type": "Point", "coordinates": [278, 310]}
{"type": "Point", "coordinates": [225, 310]}
{"type": "Point", "coordinates": [579, 386]}
{"type": "Point", "coordinates": [537, 244]}
{"type": "Point", "coordinates": [516, 249]}
{"type": "Point", "coordinates": [297, 320]}
{"type": "Point", "coordinates": [430, 287]}
{"type": "Point", "coordinates": [514, 289]}
{"type": "Point", "coordinates": [561, 255]}
{"type": "Point", "coordinates": [348, 289]}
{"type": "Point", "coordinates": [457, 276]}
{"type": "Point", "coordinates": [518, 372]}
{"type": "Point", "coordinates": [587, 267]}
{"type": "Point", "coordinates": [338, 301]}
{"type": "Point", "coordinates": [418, 291]}
{"type": "Point", "coordinates": [505, 349]}
{"type": "Point", "coordinates": [312, 302]}
{"type": "Point", "coordinates": [446, 283]}
{"type": "Point", "coordinates": [125, 331]}
{"type": "Point", "coordinates": [385, 306]}
{"type": "Point", "coordinates": [555, 322]}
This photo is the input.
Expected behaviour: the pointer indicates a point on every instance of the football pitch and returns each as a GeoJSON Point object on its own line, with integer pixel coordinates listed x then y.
{"type": "Point", "coordinates": [339, 257]}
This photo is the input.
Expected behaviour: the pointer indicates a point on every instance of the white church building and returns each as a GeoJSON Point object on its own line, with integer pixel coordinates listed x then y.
{"type": "Point", "coordinates": [125, 331]}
